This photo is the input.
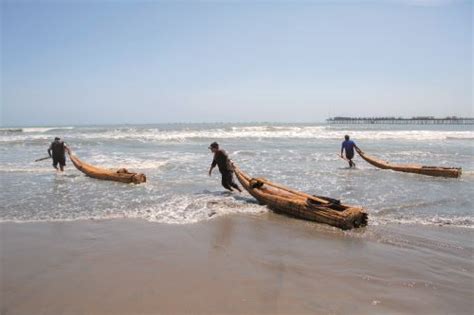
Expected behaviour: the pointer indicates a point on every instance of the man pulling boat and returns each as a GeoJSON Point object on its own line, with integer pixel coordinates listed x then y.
{"type": "Point", "coordinates": [57, 151]}
{"type": "Point", "coordinates": [221, 159]}
{"type": "Point", "coordinates": [348, 146]}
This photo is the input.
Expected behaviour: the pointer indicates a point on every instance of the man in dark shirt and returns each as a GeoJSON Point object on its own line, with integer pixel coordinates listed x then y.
{"type": "Point", "coordinates": [225, 167]}
{"type": "Point", "coordinates": [348, 145]}
{"type": "Point", "coordinates": [58, 150]}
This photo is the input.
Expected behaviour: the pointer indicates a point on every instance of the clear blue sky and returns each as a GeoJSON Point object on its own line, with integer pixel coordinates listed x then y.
{"type": "Point", "coordinates": [90, 62]}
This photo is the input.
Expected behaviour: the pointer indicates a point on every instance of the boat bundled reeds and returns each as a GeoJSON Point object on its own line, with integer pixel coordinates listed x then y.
{"type": "Point", "coordinates": [301, 205]}
{"type": "Point", "coordinates": [119, 175]}
{"type": "Point", "coordinates": [412, 168]}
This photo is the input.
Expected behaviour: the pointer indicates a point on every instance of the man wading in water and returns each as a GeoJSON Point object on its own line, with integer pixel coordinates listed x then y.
{"type": "Point", "coordinates": [59, 149]}
{"type": "Point", "coordinates": [225, 167]}
{"type": "Point", "coordinates": [349, 146]}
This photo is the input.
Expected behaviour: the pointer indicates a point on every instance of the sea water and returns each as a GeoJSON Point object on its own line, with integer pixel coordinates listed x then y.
{"type": "Point", "coordinates": [176, 160]}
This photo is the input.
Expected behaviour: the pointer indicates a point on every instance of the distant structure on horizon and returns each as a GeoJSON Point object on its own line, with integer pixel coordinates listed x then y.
{"type": "Point", "coordinates": [418, 120]}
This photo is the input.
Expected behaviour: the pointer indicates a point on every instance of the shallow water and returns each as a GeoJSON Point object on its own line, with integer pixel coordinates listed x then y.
{"type": "Point", "coordinates": [175, 159]}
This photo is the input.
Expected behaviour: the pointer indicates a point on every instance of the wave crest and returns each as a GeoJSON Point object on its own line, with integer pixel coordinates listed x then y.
{"type": "Point", "coordinates": [234, 132]}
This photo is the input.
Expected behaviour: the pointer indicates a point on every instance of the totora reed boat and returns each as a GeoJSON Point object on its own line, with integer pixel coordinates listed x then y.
{"type": "Point", "coordinates": [301, 205]}
{"type": "Point", "coordinates": [120, 175]}
{"type": "Point", "coordinates": [413, 168]}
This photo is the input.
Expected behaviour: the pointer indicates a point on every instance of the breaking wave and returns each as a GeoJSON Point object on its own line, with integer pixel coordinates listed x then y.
{"type": "Point", "coordinates": [32, 129]}
{"type": "Point", "coordinates": [233, 132]}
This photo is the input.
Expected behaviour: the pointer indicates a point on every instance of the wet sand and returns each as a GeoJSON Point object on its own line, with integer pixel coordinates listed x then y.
{"type": "Point", "coordinates": [261, 264]}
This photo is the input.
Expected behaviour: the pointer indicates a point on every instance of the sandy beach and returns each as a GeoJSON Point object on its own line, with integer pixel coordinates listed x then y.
{"type": "Point", "coordinates": [236, 264]}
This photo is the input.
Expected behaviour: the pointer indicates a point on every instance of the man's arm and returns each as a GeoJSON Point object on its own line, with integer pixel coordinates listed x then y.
{"type": "Point", "coordinates": [49, 151]}
{"type": "Point", "coordinates": [342, 150]}
{"type": "Point", "coordinates": [214, 163]}
{"type": "Point", "coordinates": [357, 148]}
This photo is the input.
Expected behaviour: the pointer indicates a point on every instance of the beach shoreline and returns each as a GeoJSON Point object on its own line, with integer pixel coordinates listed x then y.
{"type": "Point", "coordinates": [234, 264]}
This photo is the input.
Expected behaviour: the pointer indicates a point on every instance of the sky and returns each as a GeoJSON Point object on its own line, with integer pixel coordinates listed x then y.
{"type": "Point", "coordinates": [111, 62]}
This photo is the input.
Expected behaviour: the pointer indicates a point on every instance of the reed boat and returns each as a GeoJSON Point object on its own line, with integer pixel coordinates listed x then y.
{"type": "Point", "coordinates": [412, 168]}
{"type": "Point", "coordinates": [301, 205]}
{"type": "Point", "coordinates": [119, 175]}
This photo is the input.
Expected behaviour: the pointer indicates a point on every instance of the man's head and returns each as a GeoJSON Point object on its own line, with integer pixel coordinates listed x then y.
{"type": "Point", "coordinates": [214, 147]}
{"type": "Point", "coordinates": [346, 137]}
{"type": "Point", "coordinates": [57, 139]}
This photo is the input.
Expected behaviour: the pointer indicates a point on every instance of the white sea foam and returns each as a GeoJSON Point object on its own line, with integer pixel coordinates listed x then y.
{"type": "Point", "coordinates": [254, 132]}
{"type": "Point", "coordinates": [457, 221]}
{"type": "Point", "coordinates": [185, 209]}
{"type": "Point", "coordinates": [33, 129]}
{"type": "Point", "coordinates": [26, 169]}
{"type": "Point", "coordinates": [45, 129]}
{"type": "Point", "coordinates": [177, 209]}
{"type": "Point", "coordinates": [108, 161]}
{"type": "Point", "coordinates": [290, 133]}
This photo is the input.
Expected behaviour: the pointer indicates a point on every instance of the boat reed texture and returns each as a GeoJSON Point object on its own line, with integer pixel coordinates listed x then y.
{"type": "Point", "coordinates": [301, 205]}
{"type": "Point", "coordinates": [120, 175]}
{"type": "Point", "coordinates": [413, 168]}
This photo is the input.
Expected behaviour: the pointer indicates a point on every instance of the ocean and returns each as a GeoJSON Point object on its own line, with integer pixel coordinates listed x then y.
{"type": "Point", "coordinates": [175, 159]}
